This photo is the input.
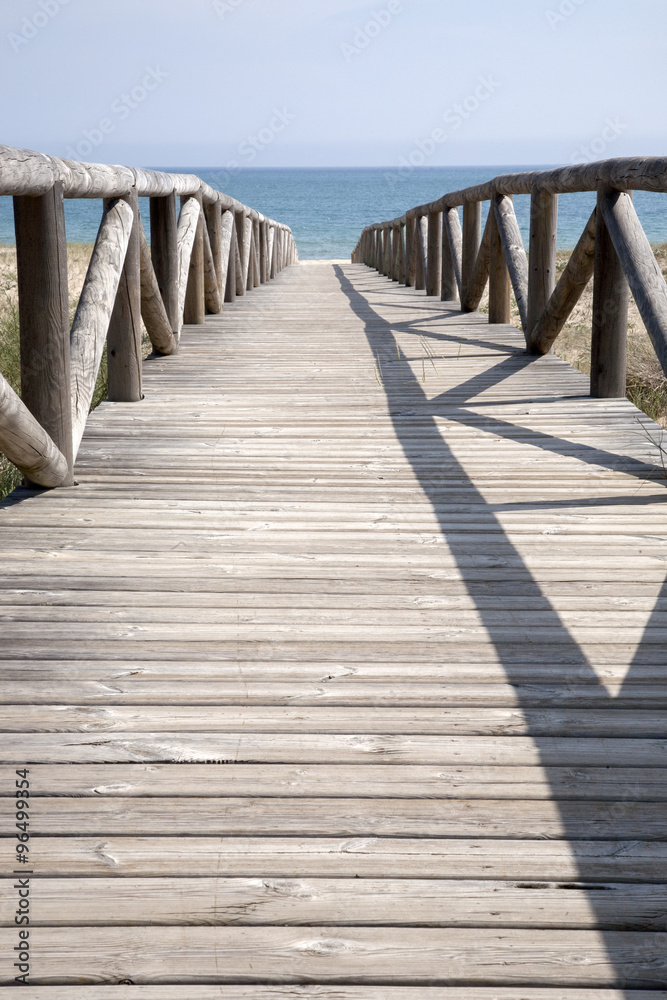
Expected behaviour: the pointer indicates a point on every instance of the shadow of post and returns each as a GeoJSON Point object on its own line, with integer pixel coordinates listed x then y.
{"type": "Point", "coordinates": [640, 960]}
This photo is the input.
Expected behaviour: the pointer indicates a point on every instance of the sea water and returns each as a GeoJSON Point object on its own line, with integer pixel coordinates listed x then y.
{"type": "Point", "coordinates": [328, 208]}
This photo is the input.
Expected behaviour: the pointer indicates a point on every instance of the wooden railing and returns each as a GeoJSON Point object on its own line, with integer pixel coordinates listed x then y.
{"type": "Point", "coordinates": [431, 248]}
{"type": "Point", "coordinates": [213, 250]}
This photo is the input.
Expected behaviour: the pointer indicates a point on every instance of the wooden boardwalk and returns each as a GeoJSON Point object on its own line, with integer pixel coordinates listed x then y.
{"type": "Point", "coordinates": [341, 673]}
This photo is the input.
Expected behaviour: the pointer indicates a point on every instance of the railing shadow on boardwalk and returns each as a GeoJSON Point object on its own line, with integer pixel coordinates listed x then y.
{"type": "Point", "coordinates": [563, 648]}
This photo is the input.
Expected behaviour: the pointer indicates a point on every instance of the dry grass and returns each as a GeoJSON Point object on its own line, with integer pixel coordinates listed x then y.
{"type": "Point", "coordinates": [646, 382]}
{"type": "Point", "coordinates": [78, 258]}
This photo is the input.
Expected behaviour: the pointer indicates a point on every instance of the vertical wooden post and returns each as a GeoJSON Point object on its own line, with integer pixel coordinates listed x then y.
{"type": "Point", "coordinates": [257, 241]}
{"type": "Point", "coordinates": [230, 287]}
{"type": "Point", "coordinates": [124, 335]}
{"type": "Point", "coordinates": [164, 253]}
{"type": "Point", "coordinates": [239, 225]}
{"type": "Point", "coordinates": [195, 306]}
{"type": "Point", "coordinates": [434, 260]}
{"type": "Point", "coordinates": [386, 263]}
{"type": "Point", "coordinates": [610, 316]}
{"type": "Point", "coordinates": [41, 249]}
{"type": "Point", "coordinates": [449, 290]}
{"type": "Point", "coordinates": [542, 254]}
{"type": "Point", "coordinates": [472, 237]}
{"type": "Point", "coordinates": [213, 218]}
{"type": "Point", "coordinates": [264, 262]}
{"type": "Point", "coordinates": [421, 249]}
{"type": "Point", "coordinates": [402, 266]}
{"type": "Point", "coordinates": [410, 252]}
{"type": "Point", "coordinates": [499, 277]}
{"type": "Point", "coordinates": [395, 253]}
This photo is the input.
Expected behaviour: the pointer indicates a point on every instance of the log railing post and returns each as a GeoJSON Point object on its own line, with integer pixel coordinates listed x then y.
{"type": "Point", "coordinates": [124, 354]}
{"type": "Point", "coordinates": [449, 289]}
{"type": "Point", "coordinates": [240, 225]}
{"type": "Point", "coordinates": [230, 285]}
{"type": "Point", "coordinates": [257, 241]}
{"type": "Point", "coordinates": [499, 276]}
{"type": "Point", "coordinates": [610, 315]}
{"type": "Point", "coordinates": [472, 238]}
{"type": "Point", "coordinates": [164, 253]}
{"type": "Point", "coordinates": [541, 254]}
{"type": "Point", "coordinates": [421, 253]}
{"type": "Point", "coordinates": [410, 252]}
{"type": "Point", "coordinates": [434, 261]}
{"type": "Point", "coordinates": [195, 307]}
{"type": "Point", "coordinates": [264, 262]}
{"type": "Point", "coordinates": [41, 248]}
{"type": "Point", "coordinates": [213, 220]}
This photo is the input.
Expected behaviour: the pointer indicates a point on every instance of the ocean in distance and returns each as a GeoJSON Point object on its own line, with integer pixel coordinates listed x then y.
{"type": "Point", "coordinates": [327, 208]}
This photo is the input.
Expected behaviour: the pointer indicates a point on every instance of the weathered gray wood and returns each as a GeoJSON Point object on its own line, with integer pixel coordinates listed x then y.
{"type": "Point", "coordinates": [124, 354]}
{"type": "Point", "coordinates": [194, 306]}
{"type": "Point", "coordinates": [93, 314]}
{"type": "Point", "coordinates": [212, 295]}
{"type": "Point", "coordinates": [25, 442]}
{"type": "Point", "coordinates": [400, 781]}
{"type": "Point", "coordinates": [424, 956]}
{"type": "Point", "coordinates": [515, 255]}
{"type": "Point", "coordinates": [241, 272]}
{"type": "Point", "coordinates": [470, 250]}
{"type": "Point", "coordinates": [213, 215]}
{"type": "Point", "coordinates": [153, 312]}
{"type": "Point", "coordinates": [347, 817]}
{"type": "Point", "coordinates": [434, 254]}
{"type": "Point", "coordinates": [452, 242]}
{"type": "Point", "coordinates": [542, 256]}
{"type": "Point", "coordinates": [574, 279]}
{"type": "Point", "coordinates": [643, 272]}
{"type": "Point", "coordinates": [410, 252]}
{"type": "Point", "coordinates": [41, 252]}
{"type": "Point", "coordinates": [610, 314]}
{"type": "Point", "coordinates": [499, 277]}
{"type": "Point", "coordinates": [58, 902]}
{"type": "Point", "coordinates": [247, 253]}
{"type": "Point", "coordinates": [478, 275]}
{"type": "Point", "coordinates": [188, 226]}
{"type": "Point", "coordinates": [421, 254]}
{"type": "Point", "coordinates": [165, 255]}
{"type": "Point", "coordinates": [323, 992]}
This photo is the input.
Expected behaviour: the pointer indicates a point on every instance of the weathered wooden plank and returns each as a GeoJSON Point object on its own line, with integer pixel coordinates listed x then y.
{"type": "Point", "coordinates": [103, 902]}
{"type": "Point", "coordinates": [585, 722]}
{"type": "Point", "coordinates": [353, 748]}
{"type": "Point", "coordinates": [480, 781]}
{"type": "Point", "coordinates": [343, 817]}
{"type": "Point", "coordinates": [367, 955]}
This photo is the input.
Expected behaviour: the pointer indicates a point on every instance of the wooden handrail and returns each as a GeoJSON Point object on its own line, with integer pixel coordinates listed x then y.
{"type": "Point", "coordinates": [213, 250]}
{"type": "Point", "coordinates": [613, 249]}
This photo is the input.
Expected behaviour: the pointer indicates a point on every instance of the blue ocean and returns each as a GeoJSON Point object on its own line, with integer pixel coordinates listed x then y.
{"type": "Point", "coordinates": [328, 208]}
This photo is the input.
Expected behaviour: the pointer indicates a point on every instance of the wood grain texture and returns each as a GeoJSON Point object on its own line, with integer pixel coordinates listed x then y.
{"type": "Point", "coordinates": [343, 666]}
{"type": "Point", "coordinates": [41, 261]}
{"type": "Point", "coordinates": [93, 313]}
{"type": "Point", "coordinates": [571, 284]}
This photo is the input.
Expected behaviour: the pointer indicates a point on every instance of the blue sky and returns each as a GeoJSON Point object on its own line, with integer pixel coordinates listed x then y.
{"type": "Point", "coordinates": [334, 82]}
